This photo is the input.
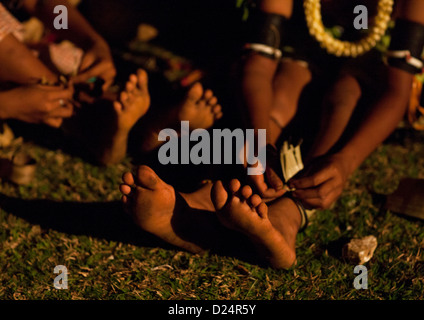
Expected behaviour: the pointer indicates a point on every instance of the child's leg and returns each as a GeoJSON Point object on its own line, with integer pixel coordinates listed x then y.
{"type": "Point", "coordinates": [337, 109]}
{"type": "Point", "coordinates": [288, 83]}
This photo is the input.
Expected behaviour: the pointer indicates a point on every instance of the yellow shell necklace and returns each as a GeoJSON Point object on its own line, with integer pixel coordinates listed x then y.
{"type": "Point", "coordinates": [345, 48]}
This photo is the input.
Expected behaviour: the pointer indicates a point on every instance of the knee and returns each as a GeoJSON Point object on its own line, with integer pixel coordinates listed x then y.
{"type": "Point", "coordinates": [345, 93]}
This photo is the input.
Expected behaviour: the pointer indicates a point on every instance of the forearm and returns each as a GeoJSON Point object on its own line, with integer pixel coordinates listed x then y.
{"type": "Point", "coordinates": [79, 29]}
{"type": "Point", "coordinates": [382, 120]}
{"type": "Point", "coordinates": [19, 65]}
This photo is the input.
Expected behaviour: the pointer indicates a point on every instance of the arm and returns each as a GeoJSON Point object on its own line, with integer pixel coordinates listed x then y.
{"type": "Point", "coordinates": [324, 184]}
{"type": "Point", "coordinates": [19, 65]}
{"type": "Point", "coordinates": [80, 31]}
{"type": "Point", "coordinates": [326, 177]}
{"type": "Point", "coordinates": [390, 109]}
{"type": "Point", "coordinates": [382, 120]}
{"type": "Point", "coordinates": [36, 104]}
{"type": "Point", "coordinates": [97, 61]}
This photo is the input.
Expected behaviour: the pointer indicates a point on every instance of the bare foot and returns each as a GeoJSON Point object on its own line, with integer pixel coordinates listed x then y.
{"type": "Point", "coordinates": [200, 108]}
{"type": "Point", "coordinates": [153, 204]}
{"type": "Point", "coordinates": [104, 126]}
{"type": "Point", "coordinates": [238, 209]}
{"type": "Point", "coordinates": [133, 102]}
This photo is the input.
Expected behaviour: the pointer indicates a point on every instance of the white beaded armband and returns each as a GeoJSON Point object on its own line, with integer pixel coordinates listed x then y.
{"type": "Point", "coordinates": [262, 48]}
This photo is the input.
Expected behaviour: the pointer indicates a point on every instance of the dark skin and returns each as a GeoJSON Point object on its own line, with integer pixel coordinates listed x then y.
{"type": "Point", "coordinates": [20, 67]}
{"type": "Point", "coordinates": [324, 181]}
{"type": "Point", "coordinates": [30, 102]}
{"type": "Point", "coordinates": [270, 90]}
{"type": "Point", "coordinates": [257, 92]}
{"type": "Point", "coordinates": [97, 59]}
{"type": "Point", "coordinates": [26, 100]}
{"type": "Point", "coordinates": [324, 178]}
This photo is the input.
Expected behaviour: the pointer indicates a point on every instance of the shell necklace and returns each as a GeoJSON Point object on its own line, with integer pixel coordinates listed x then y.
{"type": "Point", "coordinates": [345, 48]}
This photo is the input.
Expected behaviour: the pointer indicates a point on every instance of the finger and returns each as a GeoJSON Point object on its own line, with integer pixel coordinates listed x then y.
{"type": "Point", "coordinates": [64, 111]}
{"type": "Point", "coordinates": [321, 191]}
{"type": "Point", "coordinates": [53, 122]}
{"type": "Point", "coordinates": [87, 61]}
{"type": "Point", "coordinates": [274, 180]}
{"type": "Point", "coordinates": [108, 77]}
{"type": "Point", "coordinates": [63, 94]}
{"type": "Point", "coordinates": [94, 71]}
{"type": "Point", "coordinates": [318, 203]}
{"type": "Point", "coordinates": [263, 189]}
{"type": "Point", "coordinates": [312, 181]}
{"type": "Point", "coordinates": [259, 183]}
{"type": "Point", "coordinates": [50, 88]}
{"type": "Point", "coordinates": [271, 193]}
{"type": "Point", "coordinates": [103, 70]}
{"type": "Point", "coordinates": [107, 84]}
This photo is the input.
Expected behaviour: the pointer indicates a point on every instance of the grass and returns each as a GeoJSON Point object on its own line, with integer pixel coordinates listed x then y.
{"type": "Point", "coordinates": [106, 265]}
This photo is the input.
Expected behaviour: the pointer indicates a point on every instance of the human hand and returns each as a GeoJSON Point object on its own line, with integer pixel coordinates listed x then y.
{"type": "Point", "coordinates": [266, 190]}
{"type": "Point", "coordinates": [269, 185]}
{"type": "Point", "coordinates": [97, 62]}
{"type": "Point", "coordinates": [322, 182]}
{"type": "Point", "coordinates": [38, 104]}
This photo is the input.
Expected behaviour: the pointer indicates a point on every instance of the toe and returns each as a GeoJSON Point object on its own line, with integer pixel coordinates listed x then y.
{"type": "Point", "coordinates": [126, 201]}
{"type": "Point", "coordinates": [129, 87]}
{"type": "Point", "coordinates": [134, 79]}
{"type": "Point", "coordinates": [217, 111]}
{"type": "Point", "coordinates": [217, 108]}
{"type": "Point", "coordinates": [208, 94]}
{"type": "Point", "coordinates": [125, 189]}
{"type": "Point", "coordinates": [262, 210]}
{"type": "Point", "coordinates": [219, 195]}
{"type": "Point", "coordinates": [212, 101]}
{"type": "Point", "coordinates": [142, 79]}
{"type": "Point", "coordinates": [195, 92]}
{"type": "Point", "coordinates": [146, 178]}
{"type": "Point", "coordinates": [128, 178]}
{"type": "Point", "coordinates": [255, 200]}
{"type": "Point", "coordinates": [123, 97]}
{"type": "Point", "coordinates": [234, 185]}
{"type": "Point", "coordinates": [246, 192]}
{"type": "Point", "coordinates": [117, 106]}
